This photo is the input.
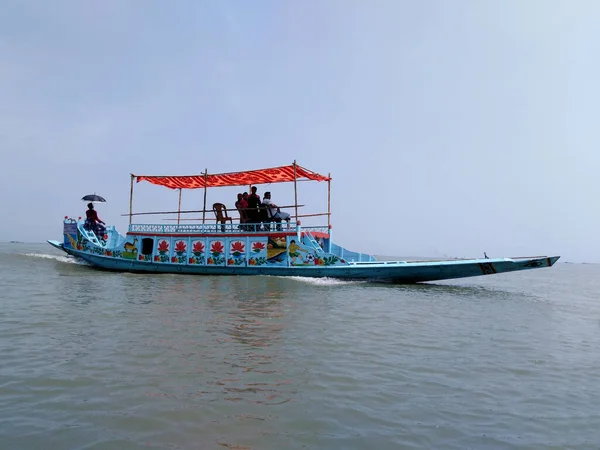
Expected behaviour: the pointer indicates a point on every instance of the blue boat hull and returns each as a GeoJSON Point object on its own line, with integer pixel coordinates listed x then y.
{"type": "Point", "coordinates": [396, 272]}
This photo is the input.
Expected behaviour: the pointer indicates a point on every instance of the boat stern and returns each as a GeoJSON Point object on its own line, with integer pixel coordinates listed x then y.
{"type": "Point", "coordinates": [56, 244]}
{"type": "Point", "coordinates": [70, 236]}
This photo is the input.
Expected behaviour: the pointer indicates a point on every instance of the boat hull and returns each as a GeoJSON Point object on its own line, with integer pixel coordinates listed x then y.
{"type": "Point", "coordinates": [396, 272]}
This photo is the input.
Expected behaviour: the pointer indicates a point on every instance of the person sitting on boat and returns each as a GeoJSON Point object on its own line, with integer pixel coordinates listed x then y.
{"type": "Point", "coordinates": [276, 213]}
{"type": "Point", "coordinates": [242, 207]}
{"type": "Point", "coordinates": [93, 222]}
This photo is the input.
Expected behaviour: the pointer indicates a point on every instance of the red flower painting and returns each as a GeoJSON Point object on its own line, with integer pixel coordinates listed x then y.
{"type": "Point", "coordinates": [216, 248]}
{"type": "Point", "coordinates": [230, 262]}
{"type": "Point", "coordinates": [180, 247]}
{"type": "Point", "coordinates": [257, 247]}
{"type": "Point", "coordinates": [237, 248]}
{"type": "Point", "coordinates": [198, 248]}
{"type": "Point", "coordinates": [163, 247]}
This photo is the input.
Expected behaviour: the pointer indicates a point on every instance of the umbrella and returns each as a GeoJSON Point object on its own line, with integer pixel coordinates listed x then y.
{"type": "Point", "coordinates": [93, 198]}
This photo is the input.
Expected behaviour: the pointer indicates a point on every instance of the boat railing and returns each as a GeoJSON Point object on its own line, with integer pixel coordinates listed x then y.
{"type": "Point", "coordinates": [350, 256]}
{"type": "Point", "coordinates": [113, 238]}
{"type": "Point", "coordinates": [317, 229]}
{"type": "Point", "coordinates": [310, 240]}
{"type": "Point", "coordinates": [226, 228]}
{"type": "Point", "coordinates": [90, 236]}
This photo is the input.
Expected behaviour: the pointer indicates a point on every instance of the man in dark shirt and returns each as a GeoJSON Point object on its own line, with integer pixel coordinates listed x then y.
{"type": "Point", "coordinates": [253, 204]}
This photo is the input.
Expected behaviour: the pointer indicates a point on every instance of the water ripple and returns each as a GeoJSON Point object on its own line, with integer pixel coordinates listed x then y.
{"type": "Point", "coordinates": [97, 360]}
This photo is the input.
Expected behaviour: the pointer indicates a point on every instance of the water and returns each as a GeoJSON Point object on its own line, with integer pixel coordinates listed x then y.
{"type": "Point", "coordinates": [98, 360]}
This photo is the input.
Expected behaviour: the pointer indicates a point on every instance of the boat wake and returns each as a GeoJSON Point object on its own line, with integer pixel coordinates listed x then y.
{"type": "Point", "coordinates": [59, 258]}
{"type": "Point", "coordinates": [325, 281]}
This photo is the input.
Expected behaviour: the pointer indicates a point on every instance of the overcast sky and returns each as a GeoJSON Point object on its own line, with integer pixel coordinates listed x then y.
{"type": "Point", "coordinates": [450, 128]}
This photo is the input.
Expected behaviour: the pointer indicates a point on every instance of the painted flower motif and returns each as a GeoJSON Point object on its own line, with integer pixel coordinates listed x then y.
{"type": "Point", "coordinates": [163, 247]}
{"type": "Point", "coordinates": [257, 247]}
{"type": "Point", "coordinates": [230, 262]}
{"type": "Point", "coordinates": [217, 248]}
{"type": "Point", "coordinates": [318, 262]}
{"type": "Point", "coordinates": [252, 262]}
{"type": "Point", "coordinates": [156, 258]}
{"type": "Point", "coordinates": [209, 261]}
{"type": "Point", "coordinates": [192, 260]}
{"type": "Point", "coordinates": [237, 246]}
{"type": "Point", "coordinates": [237, 249]}
{"type": "Point", "coordinates": [198, 248]}
{"type": "Point", "coordinates": [141, 257]}
{"type": "Point", "coordinates": [180, 247]}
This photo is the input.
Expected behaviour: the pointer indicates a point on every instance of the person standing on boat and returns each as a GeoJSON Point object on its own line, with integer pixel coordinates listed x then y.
{"type": "Point", "coordinates": [92, 221]}
{"type": "Point", "coordinates": [253, 205]}
{"type": "Point", "coordinates": [276, 213]}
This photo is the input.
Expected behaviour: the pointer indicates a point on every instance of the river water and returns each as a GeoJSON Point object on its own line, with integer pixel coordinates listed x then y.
{"type": "Point", "coordinates": [99, 360]}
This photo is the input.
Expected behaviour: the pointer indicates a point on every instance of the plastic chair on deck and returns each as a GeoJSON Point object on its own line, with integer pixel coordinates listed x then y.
{"type": "Point", "coordinates": [267, 217]}
{"type": "Point", "coordinates": [221, 215]}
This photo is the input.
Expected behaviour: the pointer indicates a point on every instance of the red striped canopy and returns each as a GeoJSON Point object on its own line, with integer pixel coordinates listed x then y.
{"type": "Point", "coordinates": [250, 177]}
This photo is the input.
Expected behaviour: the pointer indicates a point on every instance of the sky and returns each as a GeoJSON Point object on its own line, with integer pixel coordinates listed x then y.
{"type": "Point", "coordinates": [449, 128]}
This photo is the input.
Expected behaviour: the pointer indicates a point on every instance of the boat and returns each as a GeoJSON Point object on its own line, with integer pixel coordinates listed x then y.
{"type": "Point", "coordinates": [224, 245]}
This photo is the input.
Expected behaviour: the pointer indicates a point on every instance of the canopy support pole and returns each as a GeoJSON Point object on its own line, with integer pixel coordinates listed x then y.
{"type": "Point", "coordinates": [204, 207]}
{"type": "Point", "coordinates": [329, 201]}
{"type": "Point", "coordinates": [179, 208]}
{"type": "Point", "coordinates": [131, 199]}
{"type": "Point", "coordinates": [295, 192]}
{"type": "Point", "coordinates": [329, 212]}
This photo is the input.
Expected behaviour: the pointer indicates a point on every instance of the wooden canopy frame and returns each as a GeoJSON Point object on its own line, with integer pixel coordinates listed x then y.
{"type": "Point", "coordinates": [292, 173]}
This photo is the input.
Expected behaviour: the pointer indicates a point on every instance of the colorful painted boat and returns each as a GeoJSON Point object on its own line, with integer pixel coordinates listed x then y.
{"type": "Point", "coordinates": [230, 248]}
